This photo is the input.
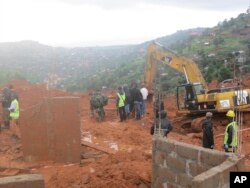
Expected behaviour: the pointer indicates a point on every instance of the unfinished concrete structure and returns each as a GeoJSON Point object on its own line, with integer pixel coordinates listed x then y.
{"type": "Point", "coordinates": [177, 165]}
{"type": "Point", "coordinates": [22, 181]}
{"type": "Point", "coordinates": [50, 131]}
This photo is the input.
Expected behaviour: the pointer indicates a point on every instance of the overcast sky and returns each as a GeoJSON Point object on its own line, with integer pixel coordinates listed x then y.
{"type": "Point", "coordinates": [108, 22]}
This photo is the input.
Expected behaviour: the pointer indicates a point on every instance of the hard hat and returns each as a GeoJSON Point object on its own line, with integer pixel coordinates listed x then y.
{"type": "Point", "coordinates": [230, 113]}
{"type": "Point", "coordinates": [209, 114]}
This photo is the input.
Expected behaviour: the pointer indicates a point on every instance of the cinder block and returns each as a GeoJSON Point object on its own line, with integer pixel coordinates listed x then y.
{"type": "Point", "coordinates": [22, 181]}
{"type": "Point", "coordinates": [159, 157]}
{"type": "Point", "coordinates": [187, 151]}
{"type": "Point", "coordinates": [165, 145]}
{"type": "Point", "coordinates": [196, 168]}
{"type": "Point", "coordinates": [207, 179]}
{"type": "Point", "coordinates": [155, 172]}
{"type": "Point", "coordinates": [168, 174]}
{"type": "Point", "coordinates": [212, 157]}
{"type": "Point", "coordinates": [238, 161]}
{"type": "Point", "coordinates": [176, 164]}
{"type": "Point", "coordinates": [173, 185]}
{"type": "Point", "coordinates": [51, 130]}
{"type": "Point", "coordinates": [157, 184]}
{"type": "Point", "coordinates": [184, 180]}
{"type": "Point", "coordinates": [160, 181]}
{"type": "Point", "coordinates": [226, 167]}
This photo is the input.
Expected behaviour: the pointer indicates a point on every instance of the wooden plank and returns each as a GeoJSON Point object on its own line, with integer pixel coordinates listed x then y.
{"type": "Point", "coordinates": [100, 148]}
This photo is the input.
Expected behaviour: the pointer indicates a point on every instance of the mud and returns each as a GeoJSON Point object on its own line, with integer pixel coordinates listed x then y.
{"type": "Point", "coordinates": [124, 155]}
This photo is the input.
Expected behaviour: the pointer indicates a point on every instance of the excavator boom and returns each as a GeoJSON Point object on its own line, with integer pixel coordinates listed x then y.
{"type": "Point", "coordinates": [156, 52]}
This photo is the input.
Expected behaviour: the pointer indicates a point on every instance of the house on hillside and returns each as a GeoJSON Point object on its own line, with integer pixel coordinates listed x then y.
{"type": "Point", "coordinates": [194, 34]}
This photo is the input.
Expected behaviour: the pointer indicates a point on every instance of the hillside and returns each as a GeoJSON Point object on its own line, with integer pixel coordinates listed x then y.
{"type": "Point", "coordinates": [216, 50]}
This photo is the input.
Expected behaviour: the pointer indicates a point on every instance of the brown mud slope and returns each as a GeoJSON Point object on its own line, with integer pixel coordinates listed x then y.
{"type": "Point", "coordinates": [114, 154]}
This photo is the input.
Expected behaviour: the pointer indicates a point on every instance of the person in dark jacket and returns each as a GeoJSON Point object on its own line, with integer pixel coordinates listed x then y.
{"type": "Point", "coordinates": [137, 98]}
{"type": "Point", "coordinates": [128, 100]}
{"type": "Point", "coordinates": [6, 101]}
{"type": "Point", "coordinates": [161, 124]}
{"type": "Point", "coordinates": [208, 136]}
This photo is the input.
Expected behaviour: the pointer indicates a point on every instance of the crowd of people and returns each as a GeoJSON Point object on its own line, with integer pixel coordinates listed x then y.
{"type": "Point", "coordinates": [131, 102]}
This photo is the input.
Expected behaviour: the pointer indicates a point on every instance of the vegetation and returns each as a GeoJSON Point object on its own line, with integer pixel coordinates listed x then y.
{"type": "Point", "coordinates": [217, 51]}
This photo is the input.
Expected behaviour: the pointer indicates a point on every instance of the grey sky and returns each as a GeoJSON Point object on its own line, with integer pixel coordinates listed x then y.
{"type": "Point", "coordinates": [222, 5]}
{"type": "Point", "coordinates": [108, 22]}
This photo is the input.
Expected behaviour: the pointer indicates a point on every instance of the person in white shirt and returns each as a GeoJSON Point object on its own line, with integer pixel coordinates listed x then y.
{"type": "Point", "coordinates": [144, 92]}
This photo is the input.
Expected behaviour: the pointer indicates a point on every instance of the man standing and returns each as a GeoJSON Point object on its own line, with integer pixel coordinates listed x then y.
{"type": "Point", "coordinates": [14, 108]}
{"type": "Point", "coordinates": [128, 100]}
{"type": "Point", "coordinates": [6, 102]}
{"type": "Point", "coordinates": [230, 136]}
{"type": "Point", "coordinates": [144, 92]}
{"type": "Point", "coordinates": [208, 136]}
{"type": "Point", "coordinates": [137, 98]}
{"type": "Point", "coordinates": [120, 103]}
{"type": "Point", "coordinates": [97, 102]}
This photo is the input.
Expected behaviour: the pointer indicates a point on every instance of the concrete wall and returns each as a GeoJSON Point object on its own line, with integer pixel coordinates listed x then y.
{"type": "Point", "coordinates": [177, 165]}
{"type": "Point", "coordinates": [51, 130]}
{"type": "Point", "coordinates": [22, 181]}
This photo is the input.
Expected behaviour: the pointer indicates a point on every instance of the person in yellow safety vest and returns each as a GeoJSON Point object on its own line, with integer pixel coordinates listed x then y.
{"type": "Point", "coordinates": [14, 108]}
{"type": "Point", "coordinates": [231, 136]}
{"type": "Point", "coordinates": [120, 104]}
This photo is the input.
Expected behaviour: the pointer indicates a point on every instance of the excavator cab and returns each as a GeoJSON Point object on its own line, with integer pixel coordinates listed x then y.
{"type": "Point", "coordinates": [187, 96]}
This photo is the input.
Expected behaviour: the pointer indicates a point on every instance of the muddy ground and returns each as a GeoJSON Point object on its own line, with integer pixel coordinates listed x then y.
{"type": "Point", "coordinates": [124, 155]}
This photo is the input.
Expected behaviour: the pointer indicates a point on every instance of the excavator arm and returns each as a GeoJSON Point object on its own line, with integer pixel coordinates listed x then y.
{"type": "Point", "coordinates": [156, 52]}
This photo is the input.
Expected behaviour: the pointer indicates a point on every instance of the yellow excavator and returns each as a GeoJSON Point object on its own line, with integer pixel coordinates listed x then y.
{"type": "Point", "coordinates": [193, 97]}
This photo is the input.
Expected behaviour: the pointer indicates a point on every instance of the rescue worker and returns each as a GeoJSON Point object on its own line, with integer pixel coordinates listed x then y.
{"type": "Point", "coordinates": [208, 135]}
{"type": "Point", "coordinates": [6, 102]}
{"type": "Point", "coordinates": [120, 104]}
{"type": "Point", "coordinates": [14, 116]}
{"type": "Point", "coordinates": [231, 136]}
{"type": "Point", "coordinates": [162, 123]}
{"type": "Point", "coordinates": [14, 108]}
{"type": "Point", "coordinates": [97, 102]}
{"type": "Point", "coordinates": [128, 101]}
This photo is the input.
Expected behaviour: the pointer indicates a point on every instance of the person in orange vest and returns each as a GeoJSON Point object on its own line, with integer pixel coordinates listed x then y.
{"type": "Point", "coordinates": [231, 134]}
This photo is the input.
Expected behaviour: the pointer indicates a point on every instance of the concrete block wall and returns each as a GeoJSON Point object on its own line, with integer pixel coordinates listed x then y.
{"type": "Point", "coordinates": [177, 164]}
{"type": "Point", "coordinates": [50, 131]}
{"type": "Point", "coordinates": [22, 181]}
